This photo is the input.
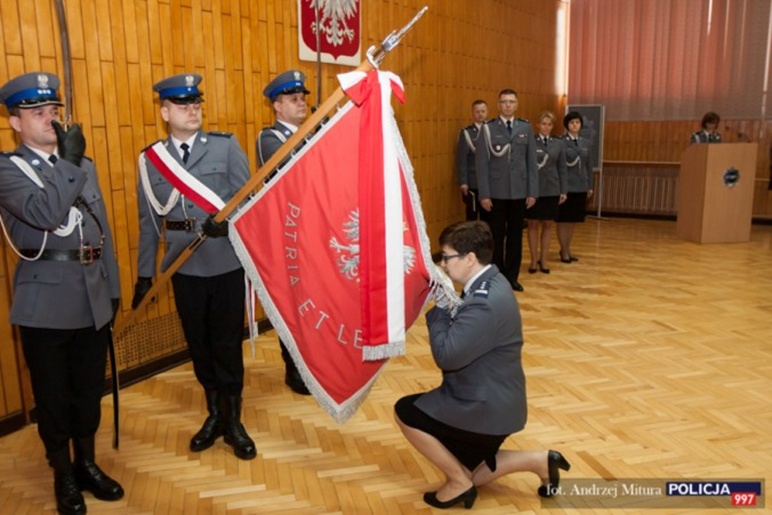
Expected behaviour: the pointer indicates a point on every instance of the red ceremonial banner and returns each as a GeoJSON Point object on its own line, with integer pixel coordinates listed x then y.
{"type": "Point", "coordinates": [299, 241]}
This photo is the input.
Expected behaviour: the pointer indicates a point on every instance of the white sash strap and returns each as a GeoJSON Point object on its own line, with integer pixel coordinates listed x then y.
{"type": "Point", "coordinates": [505, 149]}
{"type": "Point", "coordinates": [574, 162]}
{"type": "Point", "coordinates": [469, 142]}
{"type": "Point", "coordinates": [150, 195]}
{"type": "Point", "coordinates": [73, 218]}
{"type": "Point", "coordinates": [182, 179]}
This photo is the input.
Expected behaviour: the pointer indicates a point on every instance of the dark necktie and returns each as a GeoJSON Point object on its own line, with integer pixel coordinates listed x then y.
{"type": "Point", "coordinates": [185, 152]}
{"type": "Point", "coordinates": [53, 159]}
{"type": "Point", "coordinates": [545, 140]}
{"type": "Point", "coordinates": [509, 127]}
{"type": "Point", "coordinates": [576, 142]}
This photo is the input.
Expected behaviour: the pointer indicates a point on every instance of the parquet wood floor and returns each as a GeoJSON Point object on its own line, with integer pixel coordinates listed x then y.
{"type": "Point", "coordinates": [650, 357]}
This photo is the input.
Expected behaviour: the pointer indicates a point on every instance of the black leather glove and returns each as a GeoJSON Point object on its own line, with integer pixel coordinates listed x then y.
{"type": "Point", "coordinates": [115, 303]}
{"type": "Point", "coordinates": [71, 143]}
{"type": "Point", "coordinates": [214, 229]}
{"type": "Point", "coordinates": [140, 290]}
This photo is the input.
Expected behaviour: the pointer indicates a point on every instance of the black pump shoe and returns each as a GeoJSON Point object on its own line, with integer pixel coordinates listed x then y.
{"type": "Point", "coordinates": [467, 498]}
{"type": "Point", "coordinates": [555, 463]}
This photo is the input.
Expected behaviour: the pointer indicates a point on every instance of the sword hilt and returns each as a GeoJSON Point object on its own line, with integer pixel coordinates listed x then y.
{"type": "Point", "coordinates": [376, 55]}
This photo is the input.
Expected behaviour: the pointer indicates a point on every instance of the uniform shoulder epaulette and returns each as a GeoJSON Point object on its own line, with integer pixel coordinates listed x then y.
{"type": "Point", "coordinates": [11, 154]}
{"type": "Point", "coordinates": [88, 158]}
{"type": "Point", "coordinates": [482, 290]}
{"type": "Point", "coordinates": [523, 120]}
{"type": "Point", "coordinates": [147, 147]}
{"type": "Point", "coordinates": [221, 134]}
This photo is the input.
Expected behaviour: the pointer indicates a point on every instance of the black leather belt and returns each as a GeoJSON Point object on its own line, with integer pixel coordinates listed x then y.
{"type": "Point", "coordinates": [188, 225]}
{"type": "Point", "coordinates": [85, 255]}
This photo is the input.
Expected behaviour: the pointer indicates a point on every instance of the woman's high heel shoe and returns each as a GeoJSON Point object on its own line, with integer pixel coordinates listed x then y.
{"type": "Point", "coordinates": [555, 463]}
{"type": "Point", "coordinates": [543, 270]}
{"type": "Point", "coordinates": [467, 498]}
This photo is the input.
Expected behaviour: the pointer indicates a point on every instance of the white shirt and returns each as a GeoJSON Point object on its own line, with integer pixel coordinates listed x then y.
{"type": "Point", "coordinates": [291, 127]}
{"type": "Point", "coordinates": [42, 153]}
{"type": "Point", "coordinates": [189, 141]}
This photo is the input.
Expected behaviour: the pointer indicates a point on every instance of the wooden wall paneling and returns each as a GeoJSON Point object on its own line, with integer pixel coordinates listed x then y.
{"type": "Point", "coordinates": [10, 386]}
{"type": "Point", "coordinates": [46, 18]}
{"type": "Point", "coordinates": [10, 28]}
{"type": "Point", "coordinates": [91, 41]}
{"type": "Point", "coordinates": [129, 29]}
{"type": "Point", "coordinates": [30, 37]}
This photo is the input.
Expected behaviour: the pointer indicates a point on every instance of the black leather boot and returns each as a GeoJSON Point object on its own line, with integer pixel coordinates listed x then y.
{"type": "Point", "coordinates": [292, 377]}
{"type": "Point", "coordinates": [213, 425]}
{"type": "Point", "coordinates": [69, 500]}
{"type": "Point", "coordinates": [89, 476]}
{"type": "Point", "coordinates": [235, 434]}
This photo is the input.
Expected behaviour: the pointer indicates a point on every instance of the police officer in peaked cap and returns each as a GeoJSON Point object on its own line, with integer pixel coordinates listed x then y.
{"type": "Point", "coordinates": [66, 286]}
{"type": "Point", "coordinates": [287, 94]}
{"type": "Point", "coordinates": [209, 286]}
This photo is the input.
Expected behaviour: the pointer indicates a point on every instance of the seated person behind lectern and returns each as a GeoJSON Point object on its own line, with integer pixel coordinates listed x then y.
{"type": "Point", "coordinates": [708, 134]}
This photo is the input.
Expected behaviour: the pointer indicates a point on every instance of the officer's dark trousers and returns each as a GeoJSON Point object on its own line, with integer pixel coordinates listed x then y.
{"type": "Point", "coordinates": [67, 369]}
{"type": "Point", "coordinates": [506, 221]}
{"type": "Point", "coordinates": [211, 310]}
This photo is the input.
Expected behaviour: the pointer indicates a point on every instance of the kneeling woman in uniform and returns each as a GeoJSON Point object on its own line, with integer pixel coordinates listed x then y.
{"type": "Point", "coordinates": [460, 426]}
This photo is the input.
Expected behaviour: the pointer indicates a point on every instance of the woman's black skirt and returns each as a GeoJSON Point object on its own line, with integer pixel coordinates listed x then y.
{"type": "Point", "coordinates": [469, 448]}
{"type": "Point", "coordinates": [546, 208]}
{"type": "Point", "coordinates": [574, 208]}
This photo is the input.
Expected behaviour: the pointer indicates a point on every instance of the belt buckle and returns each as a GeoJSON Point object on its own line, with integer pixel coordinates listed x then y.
{"type": "Point", "coordinates": [86, 255]}
{"type": "Point", "coordinates": [190, 224]}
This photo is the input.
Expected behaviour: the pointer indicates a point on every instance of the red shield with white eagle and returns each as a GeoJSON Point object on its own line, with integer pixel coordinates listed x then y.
{"type": "Point", "coordinates": [299, 242]}
{"type": "Point", "coordinates": [337, 23]}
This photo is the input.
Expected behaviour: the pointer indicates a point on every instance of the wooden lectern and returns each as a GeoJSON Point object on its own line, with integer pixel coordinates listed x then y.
{"type": "Point", "coordinates": [715, 192]}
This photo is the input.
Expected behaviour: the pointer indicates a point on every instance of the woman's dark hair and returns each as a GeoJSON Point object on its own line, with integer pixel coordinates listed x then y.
{"type": "Point", "coordinates": [710, 117]}
{"type": "Point", "coordinates": [466, 237]}
{"type": "Point", "coordinates": [572, 115]}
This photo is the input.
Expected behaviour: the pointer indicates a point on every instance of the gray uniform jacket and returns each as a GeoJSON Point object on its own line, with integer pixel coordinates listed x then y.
{"type": "Point", "coordinates": [465, 171]}
{"type": "Point", "coordinates": [579, 163]}
{"type": "Point", "coordinates": [57, 294]}
{"type": "Point", "coordinates": [217, 160]}
{"type": "Point", "coordinates": [705, 137]}
{"type": "Point", "coordinates": [553, 177]}
{"type": "Point", "coordinates": [268, 142]}
{"type": "Point", "coordinates": [514, 173]}
{"type": "Point", "coordinates": [483, 385]}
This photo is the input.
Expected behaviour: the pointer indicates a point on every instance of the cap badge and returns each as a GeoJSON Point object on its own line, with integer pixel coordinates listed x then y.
{"type": "Point", "coordinates": [297, 75]}
{"type": "Point", "coordinates": [43, 81]}
{"type": "Point", "coordinates": [189, 80]}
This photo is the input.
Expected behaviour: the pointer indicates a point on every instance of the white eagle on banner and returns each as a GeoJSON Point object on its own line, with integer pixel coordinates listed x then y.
{"type": "Point", "coordinates": [348, 261]}
{"type": "Point", "coordinates": [333, 16]}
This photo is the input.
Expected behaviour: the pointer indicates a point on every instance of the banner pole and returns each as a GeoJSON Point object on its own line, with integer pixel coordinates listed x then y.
{"type": "Point", "coordinates": [375, 56]}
